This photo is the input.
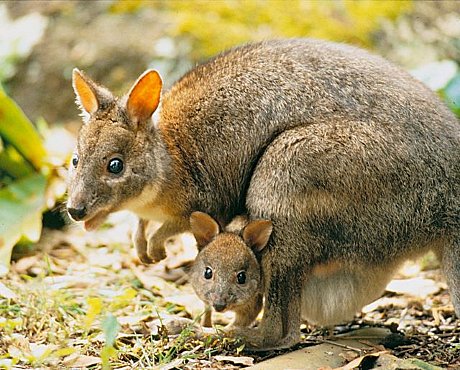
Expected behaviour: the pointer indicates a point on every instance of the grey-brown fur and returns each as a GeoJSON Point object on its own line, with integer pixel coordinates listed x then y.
{"type": "Point", "coordinates": [356, 163]}
{"type": "Point", "coordinates": [222, 289]}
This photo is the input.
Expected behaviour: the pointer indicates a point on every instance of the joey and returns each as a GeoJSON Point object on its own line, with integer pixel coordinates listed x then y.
{"type": "Point", "coordinates": [226, 274]}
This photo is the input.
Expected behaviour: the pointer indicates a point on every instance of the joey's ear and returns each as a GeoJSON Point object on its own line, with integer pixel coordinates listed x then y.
{"type": "Point", "coordinates": [144, 96]}
{"type": "Point", "coordinates": [204, 228]}
{"type": "Point", "coordinates": [257, 233]}
{"type": "Point", "coordinates": [85, 90]}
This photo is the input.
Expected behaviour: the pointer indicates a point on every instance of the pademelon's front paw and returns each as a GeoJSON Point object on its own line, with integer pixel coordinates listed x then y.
{"type": "Point", "coordinates": [156, 250]}
{"type": "Point", "coordinates": [140, 243]}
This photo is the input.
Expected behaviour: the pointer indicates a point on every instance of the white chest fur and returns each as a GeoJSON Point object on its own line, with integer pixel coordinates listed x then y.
{"type": "Point", "coordinates": [144, 206]}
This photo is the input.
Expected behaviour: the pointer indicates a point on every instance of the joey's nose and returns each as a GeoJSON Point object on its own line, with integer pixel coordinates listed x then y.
{"type": "Point", "coordinates": [219, 306]}
{"type": "Point", "coordinates": [77, 213]}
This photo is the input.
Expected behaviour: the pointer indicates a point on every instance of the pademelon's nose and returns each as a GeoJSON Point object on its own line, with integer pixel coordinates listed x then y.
{"type": "Point", "coordinates": [219, 306]}
{"type": "Point", "coordinates": [77, 213]}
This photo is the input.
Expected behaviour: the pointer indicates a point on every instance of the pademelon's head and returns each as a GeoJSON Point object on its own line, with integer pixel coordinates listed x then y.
{"type": "Point", "coordinates": [226, 273]}
{"type": "Point", "coordinates": [117, 154]}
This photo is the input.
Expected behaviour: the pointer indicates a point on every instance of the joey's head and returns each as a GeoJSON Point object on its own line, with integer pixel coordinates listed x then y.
{"type": "Point", "coordinates": [119, 152]}
{"type": "Point", "coordinates": [226, 273]}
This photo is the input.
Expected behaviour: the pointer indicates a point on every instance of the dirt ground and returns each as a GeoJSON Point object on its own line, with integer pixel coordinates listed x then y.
{"type": "Point", "coordinates": [62, 292]}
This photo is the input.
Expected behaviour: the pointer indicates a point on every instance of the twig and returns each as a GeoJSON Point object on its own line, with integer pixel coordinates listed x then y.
{"type": "Point", "coordinates": [340, 345]}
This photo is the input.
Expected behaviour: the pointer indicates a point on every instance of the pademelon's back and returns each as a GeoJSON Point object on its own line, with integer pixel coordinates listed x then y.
{"type": "Point", "coordinates": [219, 118]}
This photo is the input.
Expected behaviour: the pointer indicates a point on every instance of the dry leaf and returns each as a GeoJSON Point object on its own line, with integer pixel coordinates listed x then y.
{"type": "Point", "coordinates": [79, 361]}
{"type": "Point", "coordinates": [150, 281]}
{"type": "Point", "coordinates": [173, 324]}
{"type": "Point", "coordinates": [357, 363]}
{"type": "Point", "coordinates": [68, 281]}
{"type": "Point", "coordinates": [237, 360]}
{"type": "Point", "coordinates": [349, 355]}
{"type": "Point", "coordinates": [132, 319]}
{"type": "Point", "coordinates": [6, 292]}
{"type": "Point", "coordinates": [399, 302]}
{"type": "Point", "coordinates": [181, 251]}
{"type": "Point", "coordinates": [191, 302]}
{"type": "Point", "coordinates": [24, 264]}
{"type": "Point", "coordinates": [176, 364]}
{"type": "Point", "coordinates": [417, 287]}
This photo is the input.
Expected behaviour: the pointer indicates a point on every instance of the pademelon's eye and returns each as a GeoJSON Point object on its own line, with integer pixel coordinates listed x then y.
{"type": "Point", "coordinates": [115, 166]}
{"type": "Point", "coordinates": [241, 277]}
{"type": "Point", "coordinates": [75, 160]}
{"type": "Point", "coordinates": [207, 273]}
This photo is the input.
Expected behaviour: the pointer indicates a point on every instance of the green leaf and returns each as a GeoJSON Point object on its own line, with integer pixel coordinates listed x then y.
{"type": "Point", "coordinates": [106, 354]}
{"type": "Point", "coordinates": [21, 204]}
{"type": "Point", "coordinates": [451, 94]}
{"type": "Point", "coordinates": [17, 129]}
{"type": "Point", "coordinates": [124, 299]}
{"type": "Point", "coordinates": [419, 364]}
{"type": "Point", "coordinates": [111, 327]}
{"type": "Point", "coordinates": [94, 309]}
{"type": "Point", "coordinates": [14, 164]}
{"type": "Point", "coordinates": [62, 352]}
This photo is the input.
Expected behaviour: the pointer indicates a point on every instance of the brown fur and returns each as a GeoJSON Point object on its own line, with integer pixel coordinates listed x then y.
{"type": "Point", "coordinates": [352, 159]}
{"type": "Point", "coordinates": [323, 270]}
{"type": "Point", "coordinates": [222, 290]}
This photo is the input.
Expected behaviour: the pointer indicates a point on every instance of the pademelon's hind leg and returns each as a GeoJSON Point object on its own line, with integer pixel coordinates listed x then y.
{"type": "Point", "coordinates": [449, 256]}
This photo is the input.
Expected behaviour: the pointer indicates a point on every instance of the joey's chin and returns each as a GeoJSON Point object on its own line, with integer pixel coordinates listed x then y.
{"type": "Point", "coordinates": [94, 222]}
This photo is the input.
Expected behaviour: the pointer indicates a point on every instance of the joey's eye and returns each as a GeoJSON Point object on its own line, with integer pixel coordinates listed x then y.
{"type": "Point", "coordinates": [115, 166]}
{"type": "Point", "coordinates": [75, 160]}
{"type": "Point", "coordinates": [207, 273]}
{"type": "Point", "coordinates": [241, 277]}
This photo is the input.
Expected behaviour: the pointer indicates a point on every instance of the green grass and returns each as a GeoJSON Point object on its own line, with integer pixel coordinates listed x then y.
{"type": "Point", "coordinates": [73, 303]}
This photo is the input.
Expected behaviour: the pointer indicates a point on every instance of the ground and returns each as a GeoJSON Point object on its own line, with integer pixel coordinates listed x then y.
{"type": "Point", "coordinates": [83, 300]}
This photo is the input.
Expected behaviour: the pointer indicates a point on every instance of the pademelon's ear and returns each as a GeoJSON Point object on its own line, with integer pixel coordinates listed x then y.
{"type": "Point", "coordinates": [257, 233]}
{"type": "Point", "coordinates": [86, 93]}
{"type": "Point", "coordinates": [144, 96]}
{"type": "Point", "coordinates": [204, 228]}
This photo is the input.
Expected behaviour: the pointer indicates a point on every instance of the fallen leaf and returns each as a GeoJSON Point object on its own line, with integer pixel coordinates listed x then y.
{"type": "Point", "coordinates": [132, 320]}
{"type": "Point", "coordinates": [387, 361]}
{"type": "Point", "coordinates": [81, 361]}
{"type": "Point", "coordinates": [191, 302]}
{"type": "Point", "coordinates": [176, 364]}
{"type": "Point", "coordinates": [417, 287]}
{"type": "Point", "coordinates": [237, 360]}
{"type": "Point", "coordinates": [181, 251]}
{"type": "Point", "coordinates": [40, 351]}
{"type": "Point", "coordinates": [349, 355]}
{"type": "Point", "coordinates": [365, 361]}
{"type": "Point", "coordinates": [6, 292]}
{"type": "Point", "coordinates": [398, 302]}
{"type": "Point", "coordinates": [151, 281]}
{"type": "Point", "coordinates": [173, 324]}
{"type": "Point", "coordinates": [24, 264]}
{"type": "Point", "coordinates": [68, 281]}
{"type": "Point", "coordinates": [21, 342]}
{"type": "Point", "coordinates": [6, 363]}
{"type": "Point", "coordinates": [94, 308]}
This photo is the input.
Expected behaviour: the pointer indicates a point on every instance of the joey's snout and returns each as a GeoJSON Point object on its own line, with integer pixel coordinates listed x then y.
{"type": "Point", "coordinates": [219, 306]}
{"type": "Point", "coordinates": [77, 213]}
{"type": "Point", "coordinates": [219, 301]}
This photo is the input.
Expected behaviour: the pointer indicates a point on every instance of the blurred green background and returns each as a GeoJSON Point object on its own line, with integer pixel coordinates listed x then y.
{"type": "Point", "coordinates": [115, 41]}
